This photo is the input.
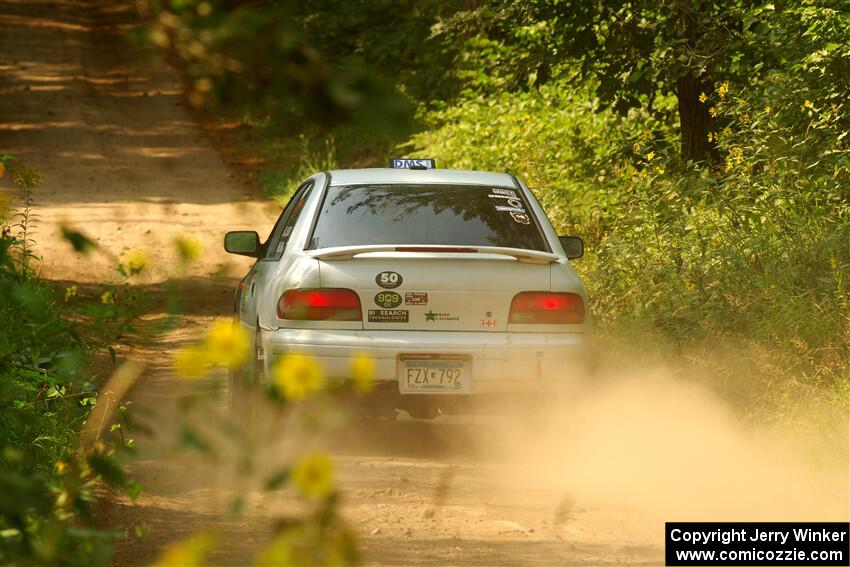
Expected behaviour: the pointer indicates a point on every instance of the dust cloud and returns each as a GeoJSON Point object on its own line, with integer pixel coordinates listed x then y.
{"type": "Point", "coordinates": [658, 448]}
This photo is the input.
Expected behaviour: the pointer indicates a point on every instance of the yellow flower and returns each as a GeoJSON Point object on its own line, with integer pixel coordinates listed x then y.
{"type": "Point", "coordinates": [808, 104]}
{"type": "Point", "coordinates": [660, 170]}
{"type": "Point", "coordinates": [107, 297]}
{"type": "Point", "coordinates": [363, 372]}
{"type": "Point", "coordinates": [649, 156]}
{"type": "Point", "coordinates": [189, 248]}
{"type": "Point", "coordinates": [296, 376]}
{"type": "Point", "coordinates": [734, 158]}
{"type": "Point", "coordinates": [135, 260]}
{"type": "Point", "coordinates": [713, 112]}
{"type": "Point", "coordinates": [710, 136]}
{"type": "Point", "coordinates": [70, 291]}
{"type": "Point", "coordinates": [768, 109]}
{"type": "Point", "coordinates": [702, 97]}
{"type": "Point", "coordinates": [191, 362]}
{"type": "Point", "coordinates": [226, 343]}
{"type": "Point", "coordinates": [690, 286]}
{"type": "Point", "coordinates": [313, 476]}
{"type": "Point", "coordinates": [745, 118]}
{"type": "Point", "coordinates": [723, 89]}
{"type": "Point", "coordinates": [191, 552]}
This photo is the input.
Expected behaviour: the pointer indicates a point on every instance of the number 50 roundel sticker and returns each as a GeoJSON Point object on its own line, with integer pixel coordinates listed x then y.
{"type": "Point", "coordinates": [389, 280]}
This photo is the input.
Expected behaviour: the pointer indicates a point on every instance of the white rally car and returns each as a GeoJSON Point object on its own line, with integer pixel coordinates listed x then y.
{"type": "Point", "coordinates": [453, 281]}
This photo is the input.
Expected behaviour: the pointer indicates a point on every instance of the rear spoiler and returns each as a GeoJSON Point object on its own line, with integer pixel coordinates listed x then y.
{"type": "Point", "coordinates": [349, 252]}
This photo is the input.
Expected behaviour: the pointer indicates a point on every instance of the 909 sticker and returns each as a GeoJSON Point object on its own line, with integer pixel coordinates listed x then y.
{"type": "Point", "coordinates": [387, 299]}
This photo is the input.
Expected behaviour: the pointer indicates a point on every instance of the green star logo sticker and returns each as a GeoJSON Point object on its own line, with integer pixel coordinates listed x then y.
{"type": "Point", "coordinates": [430, 316]}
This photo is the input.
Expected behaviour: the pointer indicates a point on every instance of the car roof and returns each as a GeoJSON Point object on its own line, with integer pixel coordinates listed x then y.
{"type": "Point", "coordinates": [387, 175]}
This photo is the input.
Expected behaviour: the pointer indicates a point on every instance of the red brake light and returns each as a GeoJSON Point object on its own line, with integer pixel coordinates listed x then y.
{"type": "Point", "coordinates": [445, 249]}
{"type": "Point", "coordinates": [535, 307]}
{"type": "Point", "coordinates": [319, 305]}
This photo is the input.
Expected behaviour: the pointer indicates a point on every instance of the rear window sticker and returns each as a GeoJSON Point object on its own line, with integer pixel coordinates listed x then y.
{"type": "Point", "coordinates": [521, 218]}
{"type": "Point", "coordinates": [488, 323]}
{"type": "Point", "coordinates": [416, 298]}
{"type": "Point", "coordinates": [510, 209]}
{"type": "Point", "coordinates": [389, 316]}
{"type": "Point", "coordinates": [506, 192]}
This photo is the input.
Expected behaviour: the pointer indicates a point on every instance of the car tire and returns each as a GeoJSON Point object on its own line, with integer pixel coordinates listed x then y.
{"type": "Point", "coordinates": [243, 383]}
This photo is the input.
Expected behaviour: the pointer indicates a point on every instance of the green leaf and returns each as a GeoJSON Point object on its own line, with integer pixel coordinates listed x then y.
{"type": "Point", "coordinates": [78, 240]}
{"type": "Point", "coordinates": [108, 469]}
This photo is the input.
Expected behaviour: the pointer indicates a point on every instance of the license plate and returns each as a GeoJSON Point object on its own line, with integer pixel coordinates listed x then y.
{"type": "Point", "coordinates": [434, 376]}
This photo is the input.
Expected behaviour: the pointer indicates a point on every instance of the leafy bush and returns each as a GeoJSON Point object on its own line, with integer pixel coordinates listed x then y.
{"type": "Point", "coordinates": [752, 251]}
{"type": "Point", "coordinates": [46, 394]}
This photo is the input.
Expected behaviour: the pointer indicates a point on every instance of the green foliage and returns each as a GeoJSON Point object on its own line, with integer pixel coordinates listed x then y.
{"type": "Point", "coordinates": [46, 395]}
{"type": "Point", "coordinates": [754, 251]}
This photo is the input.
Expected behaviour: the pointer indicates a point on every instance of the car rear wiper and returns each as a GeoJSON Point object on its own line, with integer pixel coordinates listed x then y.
{"type": "Point", "coordinates": [349, 252]}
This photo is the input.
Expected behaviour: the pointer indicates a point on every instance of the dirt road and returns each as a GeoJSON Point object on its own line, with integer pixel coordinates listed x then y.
{"type": "Point", "coordinates": [126, 163]}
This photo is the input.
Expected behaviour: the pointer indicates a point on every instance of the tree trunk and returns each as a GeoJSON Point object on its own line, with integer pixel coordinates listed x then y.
{"type": "Point", "coordinates": [694, 120]}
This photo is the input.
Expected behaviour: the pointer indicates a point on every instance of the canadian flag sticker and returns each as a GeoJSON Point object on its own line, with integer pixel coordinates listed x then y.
{"type": "Point", "coordinates": [488, 323]}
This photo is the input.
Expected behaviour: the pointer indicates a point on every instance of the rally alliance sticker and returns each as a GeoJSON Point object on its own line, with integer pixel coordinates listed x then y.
{"type": "Point", "coordinates": [389, 280]}
{"type": "Point", "coordinates": [388, 315]}
{"type": "Point", "coordinates": [387, 299]}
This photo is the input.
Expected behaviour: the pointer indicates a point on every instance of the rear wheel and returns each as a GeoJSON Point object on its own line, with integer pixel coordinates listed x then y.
{"type": "Point", "coordinates": [243, 382]}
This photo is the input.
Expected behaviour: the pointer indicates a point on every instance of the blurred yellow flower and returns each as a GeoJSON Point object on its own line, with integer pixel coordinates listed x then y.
{"type": "Point", "coordinates": [135, 260]}
{"type": "Point", "coordinates": [189, 248]}
{"type": "Point", "coordinates": [226, 343]}
{"type": "Point", "coordinates": [710, 136]}
{"type": "Point", "coordinates": [808, 104]}
{"type": "Point", "coordinates": [313, 476]}
{"type": "Point", "coordinates": [107, 297]}
{"type": "Point", "coordinates": [191, 362]}
{"type": "Point", "coordinates": [649, 156]}
{"type": "Point", "coordinates": [702, 97]}
{"type": "Point", "coordinates": [713, 112]}
{"type": "Point", "coordinates": [363, 372]}
{"type": "Point", "coordinates": [70, 291]}
{"type": "Point", "coordinates": [768, 109]}
{"type": "Point", "coordinates": [723, 89]}
{"type": "Point", "coordinates": [297, 375]}
{"type": "Point", "coordinates": [191, 552]}
{"type": "Point", "coordinates": [690, 286]}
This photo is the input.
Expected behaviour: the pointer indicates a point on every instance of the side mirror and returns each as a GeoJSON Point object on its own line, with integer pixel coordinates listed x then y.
{"type": "Point", "coordinates": [243, 242]}
{"type": "Point", "coordinates": [573, 246]}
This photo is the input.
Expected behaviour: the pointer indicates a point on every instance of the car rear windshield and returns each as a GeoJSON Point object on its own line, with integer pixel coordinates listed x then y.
{"type": "Point", "coordinates": [456, 215]}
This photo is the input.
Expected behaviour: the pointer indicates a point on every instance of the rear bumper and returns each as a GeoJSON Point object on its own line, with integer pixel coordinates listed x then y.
{"type": "Point", "coordinates": [501, 363]}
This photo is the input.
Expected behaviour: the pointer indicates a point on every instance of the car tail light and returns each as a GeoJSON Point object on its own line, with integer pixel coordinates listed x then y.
{"type": "Point", "coordinates": [445, 249]}
{"type": "Point", "coordinates": [319, 305]}
{"type": "Point", "coordinates": [535, 307]}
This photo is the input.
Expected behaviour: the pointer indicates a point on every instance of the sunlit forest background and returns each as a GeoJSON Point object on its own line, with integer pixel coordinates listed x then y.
{"type": "Point", "coordinates": [698, 147]}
